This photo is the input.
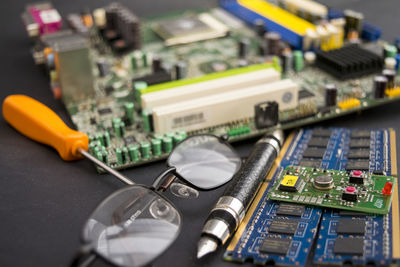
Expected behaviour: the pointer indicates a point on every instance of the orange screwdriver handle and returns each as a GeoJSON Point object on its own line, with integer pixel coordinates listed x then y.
{"type": "Point", "coordinates": [38, 122]}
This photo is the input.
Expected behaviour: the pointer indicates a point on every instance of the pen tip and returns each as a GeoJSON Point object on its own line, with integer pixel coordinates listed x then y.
{"type": "Point", "coordinates": [206, 245]}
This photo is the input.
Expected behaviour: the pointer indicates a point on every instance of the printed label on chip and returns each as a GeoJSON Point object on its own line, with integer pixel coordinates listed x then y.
{"type": "Point", "coordinates": [289, 180]}
{"type": "Point", "coordinates": [50, 16]}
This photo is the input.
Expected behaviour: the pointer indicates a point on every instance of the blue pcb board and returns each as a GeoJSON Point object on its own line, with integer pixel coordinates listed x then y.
{"type": "Point", "coordinates": [286, 234]}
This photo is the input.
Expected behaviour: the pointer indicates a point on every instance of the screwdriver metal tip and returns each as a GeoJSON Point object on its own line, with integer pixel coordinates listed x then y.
{"type": "Point", "coordinates": [205, 246]}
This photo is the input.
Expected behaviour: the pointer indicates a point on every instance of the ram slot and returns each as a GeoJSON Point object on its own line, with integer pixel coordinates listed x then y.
{"type": "Point", "coordinates": [206, 88]}
{"type": "Point", "coordinates": [223, 108]}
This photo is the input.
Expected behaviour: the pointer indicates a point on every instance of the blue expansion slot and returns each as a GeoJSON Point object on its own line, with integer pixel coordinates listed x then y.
{"type": "Point", "coordinates": [316, 232]}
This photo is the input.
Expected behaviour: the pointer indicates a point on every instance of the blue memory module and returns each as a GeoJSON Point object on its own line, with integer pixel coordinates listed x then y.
{"type": "Point", "coordinates": [285, 234]}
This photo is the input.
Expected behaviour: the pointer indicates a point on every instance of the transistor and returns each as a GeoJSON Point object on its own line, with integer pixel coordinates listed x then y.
{"type": "Point", "coordinates": [266, 114]}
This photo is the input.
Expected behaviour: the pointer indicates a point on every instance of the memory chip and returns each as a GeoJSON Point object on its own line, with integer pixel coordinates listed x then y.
{"type": "Point", "coordinates": [359, 143]}
{"type": "Point", "coordinates": [321, 133]}
{"type": "Point", "coordinates": [283, 226]}
{"type": "Point", "coordinates": [361, 165]}
{"type": "Point", "coordinates": [310, 163]}
{"type": "Point", "coordinates": [360, 134]}
{"type": "Point", "coordinates": [286, 209]}
{"type": "Point", "coordinates": [351, 226]}
{"type": "Point", "coordinates": [358, 154]}
{"type": "Point", "coordinates": [349, 246]}
{"type": "Point", "coordinates": [313, 153]}
{"type": "Point", "coordinates": [104, 111]}
{"type": "Point", "coordinates": [275, 245]}
{"type": "Point", "coordinates": [318, 142]}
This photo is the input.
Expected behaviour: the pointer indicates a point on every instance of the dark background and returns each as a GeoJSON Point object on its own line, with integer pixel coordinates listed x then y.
{"type": "Point", "coordinates": [45, 201]}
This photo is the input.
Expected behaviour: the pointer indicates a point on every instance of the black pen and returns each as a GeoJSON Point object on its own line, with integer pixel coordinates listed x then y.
{"type": "Point", "coordinates": [231, 207]}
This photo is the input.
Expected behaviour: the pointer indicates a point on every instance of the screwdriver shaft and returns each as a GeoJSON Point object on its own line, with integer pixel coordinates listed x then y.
{"type": "Point", "coordinates": [101, 164]}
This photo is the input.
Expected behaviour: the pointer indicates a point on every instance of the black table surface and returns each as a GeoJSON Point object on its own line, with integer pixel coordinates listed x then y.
{"type": "Point", "coordinates": [44, 201]}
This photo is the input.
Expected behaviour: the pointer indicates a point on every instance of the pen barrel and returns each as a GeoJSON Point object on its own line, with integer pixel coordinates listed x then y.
{"type": "Point", "coordinates": [247, 180]}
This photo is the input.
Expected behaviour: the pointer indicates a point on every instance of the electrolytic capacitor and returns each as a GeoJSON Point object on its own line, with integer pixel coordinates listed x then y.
{"type": "Point", "coordinates": [390, 75]}
{"type": "Point", "coordinates": [330, 95]}
{"type": "Point", "coordinates": [244, 46]}
{"type": "Point", "coordinates": [156, 64]}
{"type": "Point", "coordinates": [380, 84]}
{"type": "Point", "coordinates": [287, 61]}
{"type": "Point", "coordinates": [298, 60]}
{"type": "Point", "coordinates": [272, 40]}
{"type": "Point", "coordinates": [259, 27]}
{"type": "Point", "coordinates": [180, 70]}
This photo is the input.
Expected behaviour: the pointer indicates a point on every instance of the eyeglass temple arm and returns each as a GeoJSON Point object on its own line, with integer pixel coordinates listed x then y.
{"type": "Point", "coordinates": [160, 177]}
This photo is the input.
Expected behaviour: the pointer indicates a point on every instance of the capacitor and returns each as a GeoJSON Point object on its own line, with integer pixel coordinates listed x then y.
{"type": "Point", "coordinates": [125, 154]}
{"type": "Point", "coordinates": [182, 133]}
{"type": "Point", "coordinates": [167, 144]}
{"type": "Point", "coordinates": [272, 40]}
{"type": "Point", "coordinates": [129, 111]}
{"type": "Point", "coordinates": [105, 156]}
{"type": "Point", "coordinates": [103, 67]}
{"type": "Point", "coordinates": [145, 149]}
{"type": "Point", "coordinates": [287, 61]}
{"type": "Point", "coordinates": [122, 128]}
{"type": "Point", "coordinates": [118, 153]}
{"type": "Point", "coordinates": [144, 59]}
{"type": "Point", "coordinates": [133, 152]}
{"type": "Point", "coordinates": [259, 27]}
{"type": "Point", "coordinates": [99, 155]}
{"type": "Point", "coordinates": [106, 139]}
{"type": "Point", "coordinates": [390, 75]}
{"type": "Point", "coordinates": [380, 84]}
{"type": "Point", "coordinates": [390, 63]}
{"type": "Point", "coordinates": [330, 95]}
{"type": "Point", "coordinates": [390, 51]}
{"type": "Point", "coordinates": [146, 121]}
{"type": "Point", "coordinates": [156, 147]}
{"type": "Point", "coordinates": [116, 125]}
{"type": "Point", "coordinates": [99, 138]}
{"type": "Point", "coordinates": [298, 60]}
{"type": "Point", "coordinates": [177, 139]}
{"type": "Point", "coordinates": [180, 70]}
{"type": "Point", "coordinates": [139, 86]}
{"type": "Point", "coordinates": [156, 64]}
{"type": "Point", "coordinates": [244, 46]}
{"type": "Point", "coordinates": [309, 57]}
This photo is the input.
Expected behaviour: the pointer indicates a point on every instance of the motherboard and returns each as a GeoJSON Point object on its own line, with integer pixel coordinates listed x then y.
{"type": "Point", "coordinates": [302, 234]}
{"type": "Point", "coordinates": [139, 86]}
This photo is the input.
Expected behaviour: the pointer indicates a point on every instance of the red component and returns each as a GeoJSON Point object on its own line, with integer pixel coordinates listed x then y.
{"type": "Point", "coordinates": [387, 190]}
{"type": "Point", "coordinates": [357, 173]}
{"type": "Point", "coordinates": [350, 189]}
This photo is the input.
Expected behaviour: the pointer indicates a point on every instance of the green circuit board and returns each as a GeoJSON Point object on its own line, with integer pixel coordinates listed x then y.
{"type": "Point", "coordinates": [124, 141]}
{"type": "Point", "coordinates": [356, 190]}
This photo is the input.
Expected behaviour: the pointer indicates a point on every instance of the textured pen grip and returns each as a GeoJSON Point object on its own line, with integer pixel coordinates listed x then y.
{"type": "Point", "coordinates": [246, 181]}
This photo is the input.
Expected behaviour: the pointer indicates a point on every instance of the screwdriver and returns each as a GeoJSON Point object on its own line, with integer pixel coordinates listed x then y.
{"type": "Point", "coordinates": [38, 122]}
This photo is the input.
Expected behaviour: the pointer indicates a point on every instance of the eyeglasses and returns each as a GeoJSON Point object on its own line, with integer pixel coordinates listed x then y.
{"type": "Point", "coordinates": [135, 224]}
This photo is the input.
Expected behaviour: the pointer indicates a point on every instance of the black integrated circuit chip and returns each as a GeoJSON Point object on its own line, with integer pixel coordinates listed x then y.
{"type": "Point", "coordinates": [286, 209]}
{"type": "Point", "coordinates": [349, 246]}
{"type": "Point", "coordinates": [320, 132]}
{"type": "Point", "coordinates": [351, 226]}
{"type": "Point", "coordinates": [275, 245]}
{"type": "Point", "coordinates": [129, 140]}
{"type": "Point", "coordinates": [312, 152]}
{"type": "Point", "coordinates": [359, 143]}
{"type": "Point", "coordinates": [108, 90]}
{"type": "Point", "coordinates": [361, 165]}
{"type": "Point", "coordinates": [304, 93]}
{"type": "Point", "coordinates": [283, 226]}
{"type": "Point", "coordinates": [318, 142]}
{"type": "Point", "coordinates": [360, 134]}
{"type": "Point", "coordinates": [358, 154]}
{"type": "Point", "coordinates": [310, 163]}
{"type": "Point", "coordinates": [104, 111]}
